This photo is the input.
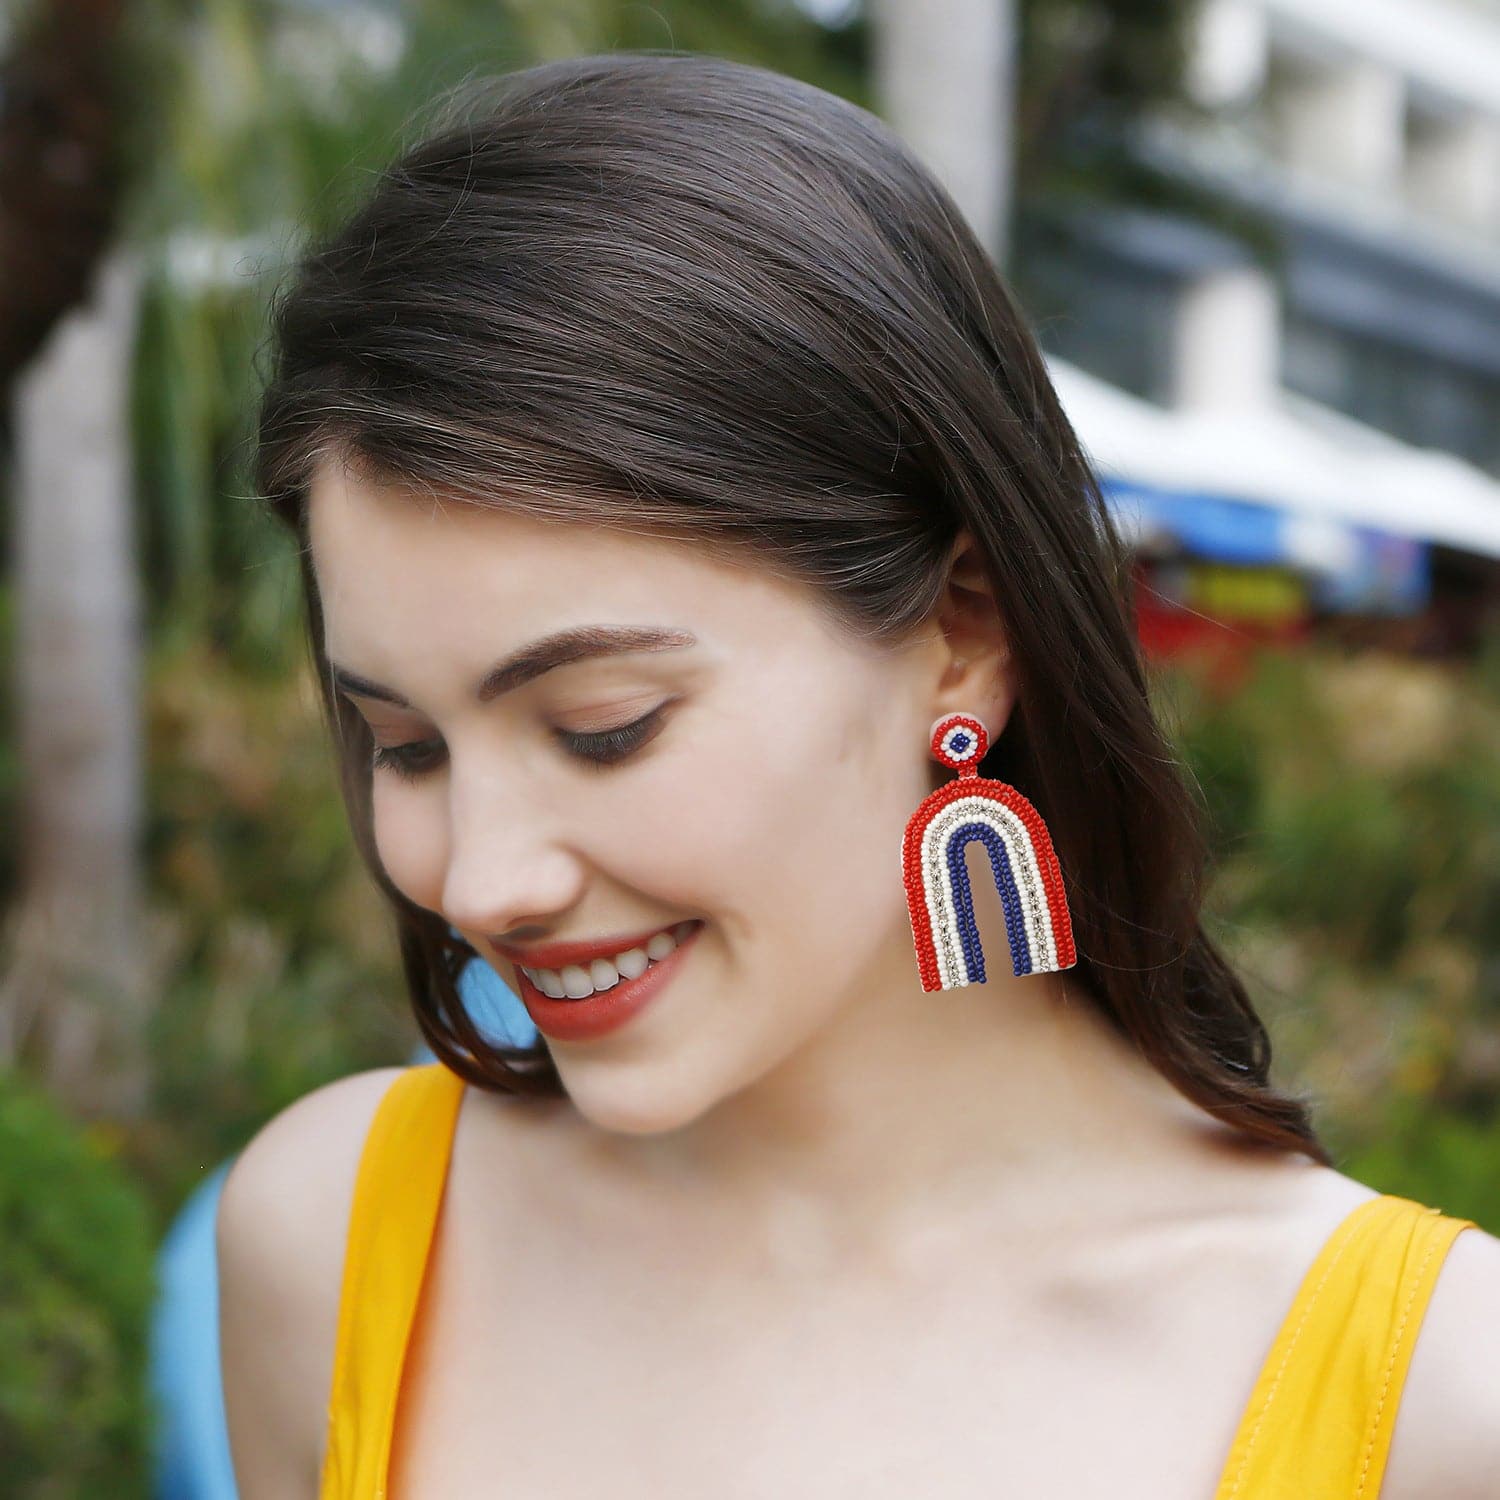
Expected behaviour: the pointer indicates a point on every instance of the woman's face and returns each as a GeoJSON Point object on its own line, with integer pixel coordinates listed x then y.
{"type": "Point", "coordinates": [763, 794]}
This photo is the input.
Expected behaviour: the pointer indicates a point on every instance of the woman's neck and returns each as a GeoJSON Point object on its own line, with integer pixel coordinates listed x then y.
{"type": "Point", "coordinates": [912, 1112]}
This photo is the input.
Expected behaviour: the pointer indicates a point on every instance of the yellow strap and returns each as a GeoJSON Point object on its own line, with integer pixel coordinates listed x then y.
{"type": "Point", "coordinates": [1320, 1417]}
{"type": "Point", "coordinates": [397, 1194]}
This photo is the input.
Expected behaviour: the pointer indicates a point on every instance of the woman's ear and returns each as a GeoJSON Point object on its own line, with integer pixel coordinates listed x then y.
{"type": "Point", "coordinates": [976, 673]}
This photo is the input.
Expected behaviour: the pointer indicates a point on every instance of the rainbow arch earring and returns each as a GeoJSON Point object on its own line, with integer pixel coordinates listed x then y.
{"type": "Point", "coordinates": [1021, 856]}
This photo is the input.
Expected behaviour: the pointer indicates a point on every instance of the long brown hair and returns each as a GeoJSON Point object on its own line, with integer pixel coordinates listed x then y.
{"type": "Point", "coordinates": [677, 294]}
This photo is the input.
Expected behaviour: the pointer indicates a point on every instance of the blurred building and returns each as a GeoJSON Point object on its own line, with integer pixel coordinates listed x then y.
{"type": "Point", "coordinates": [1293, 385]}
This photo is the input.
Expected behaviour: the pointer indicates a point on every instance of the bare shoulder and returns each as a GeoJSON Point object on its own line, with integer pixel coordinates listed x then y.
{"type": "Point", "coordinates": [282, 1219]}
{"type": "Point", "coordinates": [1446, 1440]}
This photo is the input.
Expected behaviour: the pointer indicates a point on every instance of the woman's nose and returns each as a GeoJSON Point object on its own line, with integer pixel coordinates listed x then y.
{"type": "Point", "coordinates": [495, 893]}
{"type": "Point", "coordinates": [508, 867]}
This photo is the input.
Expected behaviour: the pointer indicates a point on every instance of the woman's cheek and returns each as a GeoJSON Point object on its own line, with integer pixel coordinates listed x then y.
{"type": "Point", "coordinates": [410, 841]}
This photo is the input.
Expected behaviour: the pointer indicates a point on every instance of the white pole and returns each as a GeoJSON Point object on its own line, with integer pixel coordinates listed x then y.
{"type": "Point", "coordinates": [945, 80]}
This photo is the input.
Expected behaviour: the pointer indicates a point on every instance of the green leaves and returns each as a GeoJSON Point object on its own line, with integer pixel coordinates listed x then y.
{"type": "Point", "coordinates": [76, 1284]}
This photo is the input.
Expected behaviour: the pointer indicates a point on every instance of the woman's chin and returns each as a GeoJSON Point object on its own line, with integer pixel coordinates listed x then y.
{"type": "Point", "coordinates": [636, 1106]}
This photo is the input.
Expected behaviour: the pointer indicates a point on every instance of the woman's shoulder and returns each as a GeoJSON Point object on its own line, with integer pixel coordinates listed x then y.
{"type": "Point", "coordinates": [280, 1233]}
{"type": "Point", "coordinates": [1446, 1439]}
{"type": "Point", "coordinates": [1446, 1433]}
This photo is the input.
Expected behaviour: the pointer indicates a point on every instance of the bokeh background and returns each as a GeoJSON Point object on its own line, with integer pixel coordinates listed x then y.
{"type": "Point", "coordinates": [1259, 241]}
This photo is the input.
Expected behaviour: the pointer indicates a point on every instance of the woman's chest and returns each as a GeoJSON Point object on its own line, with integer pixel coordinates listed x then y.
{"type": "Point", "coordinates": [636, 1382]}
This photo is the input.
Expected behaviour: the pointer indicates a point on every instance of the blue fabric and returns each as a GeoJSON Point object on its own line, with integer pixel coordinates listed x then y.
{"type": "Point", "coordinates": [191, 1452]}
{"type": "Point", "coordinates": [493, 1007]}
{"type": "Point", "coordinates": [192, 1448]}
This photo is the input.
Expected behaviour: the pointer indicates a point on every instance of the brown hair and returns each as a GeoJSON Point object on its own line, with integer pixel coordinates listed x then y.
{"type": "Point", "coordinates": [682, 295]}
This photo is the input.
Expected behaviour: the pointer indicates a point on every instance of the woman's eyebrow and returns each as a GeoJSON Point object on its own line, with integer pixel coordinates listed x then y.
{"type": "Point", "coordinates": [560, 649]}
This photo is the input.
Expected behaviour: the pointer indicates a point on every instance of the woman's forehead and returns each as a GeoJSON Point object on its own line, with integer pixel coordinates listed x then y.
{"type": "Point", "coordinates": [356, 525]}
{"type": "Point", "coordinates": [394, 561]}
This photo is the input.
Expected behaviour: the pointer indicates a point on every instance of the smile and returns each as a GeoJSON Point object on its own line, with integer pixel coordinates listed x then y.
{"type": "Point", "coordinates": [579, 981]}
{"type": "Point", "coordinates": [598, 1011]}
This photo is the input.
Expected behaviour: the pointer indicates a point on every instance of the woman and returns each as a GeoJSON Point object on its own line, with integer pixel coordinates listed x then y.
{"type": "Point", "coordinates": [681, 497]}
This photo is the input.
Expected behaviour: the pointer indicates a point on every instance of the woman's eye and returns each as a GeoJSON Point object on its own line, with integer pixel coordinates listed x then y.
{"type": "Point", "coordinates": [408, 761]}
{"type": "Point", "coordinates": [605, 748]}
{"type": "Point", "coordinates": [610, 745]}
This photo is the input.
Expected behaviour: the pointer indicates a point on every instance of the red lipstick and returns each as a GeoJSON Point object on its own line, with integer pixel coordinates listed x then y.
{"type": "Point", "coordinates": [556, 955]}
{"type": "Point", "coordinates": [605, 1010]}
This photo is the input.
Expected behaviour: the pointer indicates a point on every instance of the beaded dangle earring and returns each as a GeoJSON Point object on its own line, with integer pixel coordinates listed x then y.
{"type": "Point", "coordinates": [1021, 856]}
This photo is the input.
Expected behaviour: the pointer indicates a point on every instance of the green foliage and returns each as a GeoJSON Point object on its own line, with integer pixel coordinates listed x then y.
{"type": "Point", "coordinates": [1226, 768]}
{"type": "Point", "coordinates": [282, 968]}
{"type": "Point", "coordinates": [1085, 63]}
{"type": "Point", "coordinates": [215, 564]}
{"type": "Point", "coordinates": [1355, 799]}
{"type": "Point", "coordinates": [1445, 1160]}
{"type": "Point", "coordinates": [1353, 804]}
{"type": "Point", "coordinates": [76, 1284]}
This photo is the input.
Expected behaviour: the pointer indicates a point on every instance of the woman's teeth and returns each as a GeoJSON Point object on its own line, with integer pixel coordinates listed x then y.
{"type": "Point", "coordinates": [578, 981]}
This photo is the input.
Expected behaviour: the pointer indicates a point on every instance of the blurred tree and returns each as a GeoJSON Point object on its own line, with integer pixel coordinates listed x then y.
{"type": "Point", "coordinates": [74, 980]}
{"type": "Point", "coordinates": [1089, 74]}
{"type": "Point", "coordinates": [60, 179]}
{"type": "Point", "coordinates": [1087, 69]}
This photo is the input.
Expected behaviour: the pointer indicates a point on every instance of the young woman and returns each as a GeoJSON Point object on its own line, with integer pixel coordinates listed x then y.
{"type": "Point", "coordinates": [682, 501]}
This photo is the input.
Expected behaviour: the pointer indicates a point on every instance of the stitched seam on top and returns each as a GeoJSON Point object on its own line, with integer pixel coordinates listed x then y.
{"type": "Point", "coordinates": [1390, 1364]}
{"type": "Point", "coordinates": [414, 1080]}
{"type": "Point", "coordinates": [339, 1458]}
{"type": "Point", "coordinates": [1239, 1477]}
{"type": "Point", "coordinates": [383, 1465]}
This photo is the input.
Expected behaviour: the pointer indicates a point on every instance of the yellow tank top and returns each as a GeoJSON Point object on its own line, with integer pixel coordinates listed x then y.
{"type": "Point", "coordinates": [1318, 1421]}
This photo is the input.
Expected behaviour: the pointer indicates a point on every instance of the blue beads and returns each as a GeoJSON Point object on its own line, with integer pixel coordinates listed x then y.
{"type": "Point", "coordinates": [963, 901]}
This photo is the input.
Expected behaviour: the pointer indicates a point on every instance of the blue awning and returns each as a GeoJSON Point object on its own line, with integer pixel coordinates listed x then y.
{"type": "Point", "coordinates": [1349, 568]}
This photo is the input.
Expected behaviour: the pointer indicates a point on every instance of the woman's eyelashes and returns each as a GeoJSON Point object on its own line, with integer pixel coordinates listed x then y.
{"type": "Point", "coordinates": [408, 761]}
{"type": "Point", "coordinates": [606, 747]}
{"type": "Point", "coordinates": [603, 748]}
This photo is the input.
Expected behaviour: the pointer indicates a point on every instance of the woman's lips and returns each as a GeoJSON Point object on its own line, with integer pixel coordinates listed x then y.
{"type": "Point", "coordinates": [560, 955]}
{"type": "Point", "coordinates": [605, 1010]}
